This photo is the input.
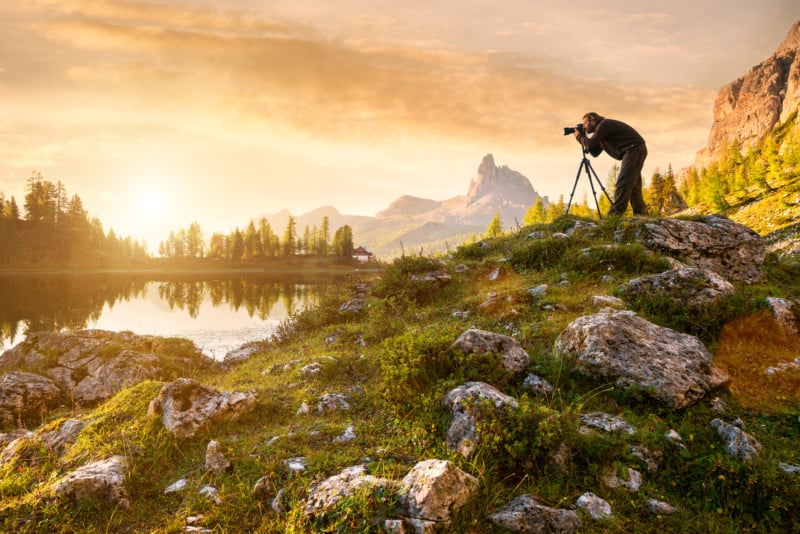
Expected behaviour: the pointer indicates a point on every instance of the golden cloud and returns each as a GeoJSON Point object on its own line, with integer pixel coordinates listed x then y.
{"type": "Point", "coordinates": [287, 76]}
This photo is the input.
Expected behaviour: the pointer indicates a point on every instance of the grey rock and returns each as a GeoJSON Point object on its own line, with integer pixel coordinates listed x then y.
{"type": "Point", "coordinates": [659, 507]}
{"type": "Point", "coordinates": [607, 422]}
{"type": "Point", "coordinates": [689, 287]}
{"type": "Point", "coordinates": [525, 514]}
{"type": "Point", "coordinates": [632, 480]}
{"type": "Point", "coordinates": [434, 489]}
{"type": "Point", "coordinates": [737, 442]}
{"type": "Point", "coordinates": [98, 481]}
{"type": "Point", "coordinates": [537, 385]}
{"type": "Point", "coordinates": [327, 493]}
{"type": "Point", "coordinates": [711, 242]}
{"type": "Point", "coordinates": [475, 341]}
{"type": "Point", "coordinates": [593, 505]}
{"type": "Point", "coordinates": [185, 406]}
{"type": "Point", "coordinates": [26, 397]}
{"type": "Point", "coordinates": [462, 401]}
{"type": "Point", "coordinates": [216, 462]}
{"type": "Point", "coordinates": [673, 368]}
{"type": "Point", "coordinates": [783, 310]}
{"type": "Point", "coordinates": [333, 402]}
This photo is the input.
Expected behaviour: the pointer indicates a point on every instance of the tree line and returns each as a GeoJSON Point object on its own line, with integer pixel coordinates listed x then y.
{"type": "Point", "coordinates": [55, 228]}
{"type": "Point", "coordinates": [259, 242]}
{"type": "Point", "coordinates": [740, 173]}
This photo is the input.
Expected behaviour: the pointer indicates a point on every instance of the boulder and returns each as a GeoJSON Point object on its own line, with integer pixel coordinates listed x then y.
{"type": "Point", "coordinates": [186, 406]}
{"type": "Point", "coordinates": [98, 481]}
{"type": "Point", "coordinates": [26, 397]}
{"type": "Point", "coordinates": [525, 514]}
{"type": "Point", "coordinates": [463, 401]}
{"type": "Point", "coordinates": [710, 242]}
{"type": "Point", "coordinates": [434, 489]}
{"type": "Point", "coordinates": [672, 368]}
{"type": "Point", "coordinates": [475, 341]}
{"type": "Point", "coordinates": [689, 286]}
{"type": "Point", "coordinates": [327, 493]}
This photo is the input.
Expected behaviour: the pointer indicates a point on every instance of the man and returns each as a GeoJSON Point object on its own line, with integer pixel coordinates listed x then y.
{"type": "Point", "coordinates": [621, 142]}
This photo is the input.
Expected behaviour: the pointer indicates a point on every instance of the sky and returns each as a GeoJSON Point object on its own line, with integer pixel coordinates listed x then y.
{"type": "Point", "coordinates": [159, 113]}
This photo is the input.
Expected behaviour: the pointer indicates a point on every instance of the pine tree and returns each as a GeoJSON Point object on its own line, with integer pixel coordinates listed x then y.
{"type": "Point", "coordinates": [495, 228]}
{"type": "Point", "coordinates": [289, 241]}
{"type": "Point", "coordinates": [536, 214]}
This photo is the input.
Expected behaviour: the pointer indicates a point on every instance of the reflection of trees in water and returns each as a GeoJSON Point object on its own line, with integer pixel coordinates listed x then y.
{"type": "Point", "coordinates": [51, 303]}
{"type": "Point", "coordinates": [257, 296]}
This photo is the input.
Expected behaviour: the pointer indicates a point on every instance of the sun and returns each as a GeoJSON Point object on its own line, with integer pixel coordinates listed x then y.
{"type": "Point", "coordinates": [151, 202]}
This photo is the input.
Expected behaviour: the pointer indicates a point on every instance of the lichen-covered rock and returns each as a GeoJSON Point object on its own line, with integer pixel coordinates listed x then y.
{"type": "Point", "coordinates": [327, 493]}
{"type": "Point", "coordinates": [689, 286]}
{"type": "Point", "coordinates": [783, 311]}
{"type": "Point", "coordinates": [90, 366]}
{"type": "Point", "coordinates": [525, 514]}
{"type": "Point", "coordinates": [475, 341]}
{"type": "Point", "coordinates": [434, 489]}
{"type": "Point", "coordinates": [98, 481]}
{"type": "Point", "coordinates": [26, 397]}
{"type": "Point", "coordinates": [186, 406]}
{"type": "Point", "coordinates": [464, 403]}
{"type": "Point", "coordinates": [673, 368]}
{"type": "Point", "coordinates": [216, 462]}
{"type": "Point", "coordinates": [593, 505]}
{"type": "Point", "coordinates": [710, 242]}
{"type": "Point", "coordinates": [737, 442]}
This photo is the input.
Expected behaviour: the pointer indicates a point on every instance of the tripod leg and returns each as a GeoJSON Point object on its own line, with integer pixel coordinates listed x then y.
{"type": "Point", "coordinates": [588, 166]}
{"type": "Point", "coordinates": [574, 186]}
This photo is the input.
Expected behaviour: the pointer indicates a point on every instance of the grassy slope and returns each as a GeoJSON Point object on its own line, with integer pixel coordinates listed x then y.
{"type": "Point", "coordinates": [395, 364]}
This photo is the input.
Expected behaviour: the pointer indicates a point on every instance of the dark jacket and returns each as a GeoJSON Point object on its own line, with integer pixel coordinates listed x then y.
{"type": "Point", "coordinates": [615, 137]}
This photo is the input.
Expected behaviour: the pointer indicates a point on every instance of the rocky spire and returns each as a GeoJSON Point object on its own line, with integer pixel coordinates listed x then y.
{"type": "Point", "coordinates": [748, 108]}
{"type": "Point", "coordinates": [499, 182]}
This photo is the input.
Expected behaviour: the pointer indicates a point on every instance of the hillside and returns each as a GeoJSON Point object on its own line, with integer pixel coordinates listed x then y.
{"type": "Point", "coordinates": [369, 377]}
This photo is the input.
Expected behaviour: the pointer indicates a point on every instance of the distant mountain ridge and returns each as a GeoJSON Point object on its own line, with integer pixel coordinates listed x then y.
{"type": "Point", "coordinates": [410, 223]}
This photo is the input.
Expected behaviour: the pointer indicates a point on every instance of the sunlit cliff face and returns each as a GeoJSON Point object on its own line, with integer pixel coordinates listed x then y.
{"type": "Point", "coordinates": [163, 112]}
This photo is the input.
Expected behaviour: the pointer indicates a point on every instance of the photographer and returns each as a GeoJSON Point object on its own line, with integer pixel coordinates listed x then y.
{"type": "Point", "coordinates": [621, 142]}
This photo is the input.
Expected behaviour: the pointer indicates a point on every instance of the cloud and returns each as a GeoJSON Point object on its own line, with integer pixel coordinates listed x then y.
{"type": "Point", "coordinates": [200, 70]}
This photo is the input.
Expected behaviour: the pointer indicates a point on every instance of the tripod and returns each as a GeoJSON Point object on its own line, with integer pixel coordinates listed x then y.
{"type": "Point", "coordinates": [590, 174]}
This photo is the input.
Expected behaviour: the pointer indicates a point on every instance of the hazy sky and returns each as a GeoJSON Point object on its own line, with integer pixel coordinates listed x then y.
{"type": "Point", "coordinates": [158, 113]}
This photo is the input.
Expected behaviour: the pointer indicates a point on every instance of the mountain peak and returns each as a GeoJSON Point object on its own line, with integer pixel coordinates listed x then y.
{"type": "Point", "coordinates": [501, 183]}
{"type": "Point", "coordinates": [792, 40]}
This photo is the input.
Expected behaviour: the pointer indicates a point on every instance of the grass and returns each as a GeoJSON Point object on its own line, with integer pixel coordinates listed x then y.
{"type": "Point", "coordinates": [394, 362]}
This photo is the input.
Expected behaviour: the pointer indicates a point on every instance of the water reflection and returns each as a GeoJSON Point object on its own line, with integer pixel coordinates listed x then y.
{"type": "Point", "coordinates": [217, 312]}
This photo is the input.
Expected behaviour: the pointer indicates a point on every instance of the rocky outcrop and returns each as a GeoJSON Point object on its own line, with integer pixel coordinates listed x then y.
{"type": "Point", "coordinates": [748, 108]}
{"type": "Point", "coordinates": [185, 406]}
{"type": "Point", "coordinates": [730, 249]}
{"type": "Point", "coordinates": [26, 397]}
{"type": "Point", "coordinates": [672, 368]}
{"type": "Point", "coordinates": [90, 366]}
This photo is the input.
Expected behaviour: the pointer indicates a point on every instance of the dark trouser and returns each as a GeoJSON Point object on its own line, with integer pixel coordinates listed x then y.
{"type": "Point", "coordinates": [629, 182]}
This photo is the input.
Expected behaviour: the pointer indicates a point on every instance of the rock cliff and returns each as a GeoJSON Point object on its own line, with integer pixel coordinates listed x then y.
{"type": "Point", "coordinates": [748, 108]}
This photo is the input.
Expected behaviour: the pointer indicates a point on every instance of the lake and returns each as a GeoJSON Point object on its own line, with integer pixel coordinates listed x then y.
{"type": "Point", "coordinates": [219, 312]}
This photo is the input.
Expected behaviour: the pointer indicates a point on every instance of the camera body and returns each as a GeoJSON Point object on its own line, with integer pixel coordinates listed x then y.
{"type": "Point", "coordinates": [569, 130]}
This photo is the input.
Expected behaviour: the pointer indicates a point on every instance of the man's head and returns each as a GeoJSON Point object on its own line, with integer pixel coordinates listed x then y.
{"type": "Point", "coordinates": [590, 121]}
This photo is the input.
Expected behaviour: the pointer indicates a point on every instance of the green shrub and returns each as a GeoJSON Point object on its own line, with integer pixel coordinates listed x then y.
{"type": "Point", "coordinates": [618, 259]}
{"type": "Point", "coordinates": [543, 254]}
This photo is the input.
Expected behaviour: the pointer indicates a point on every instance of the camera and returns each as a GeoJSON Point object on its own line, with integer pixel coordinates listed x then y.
{"type": "Point", "coordinates": [578, 127]}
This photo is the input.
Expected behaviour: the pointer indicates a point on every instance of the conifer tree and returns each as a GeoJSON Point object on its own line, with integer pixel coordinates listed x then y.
{"type": "Point", "coordinates": [495, 228]}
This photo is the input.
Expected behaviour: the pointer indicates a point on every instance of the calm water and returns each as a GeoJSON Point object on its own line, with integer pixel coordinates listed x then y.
{"type": "Point", "coordinates": [218, 313]}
